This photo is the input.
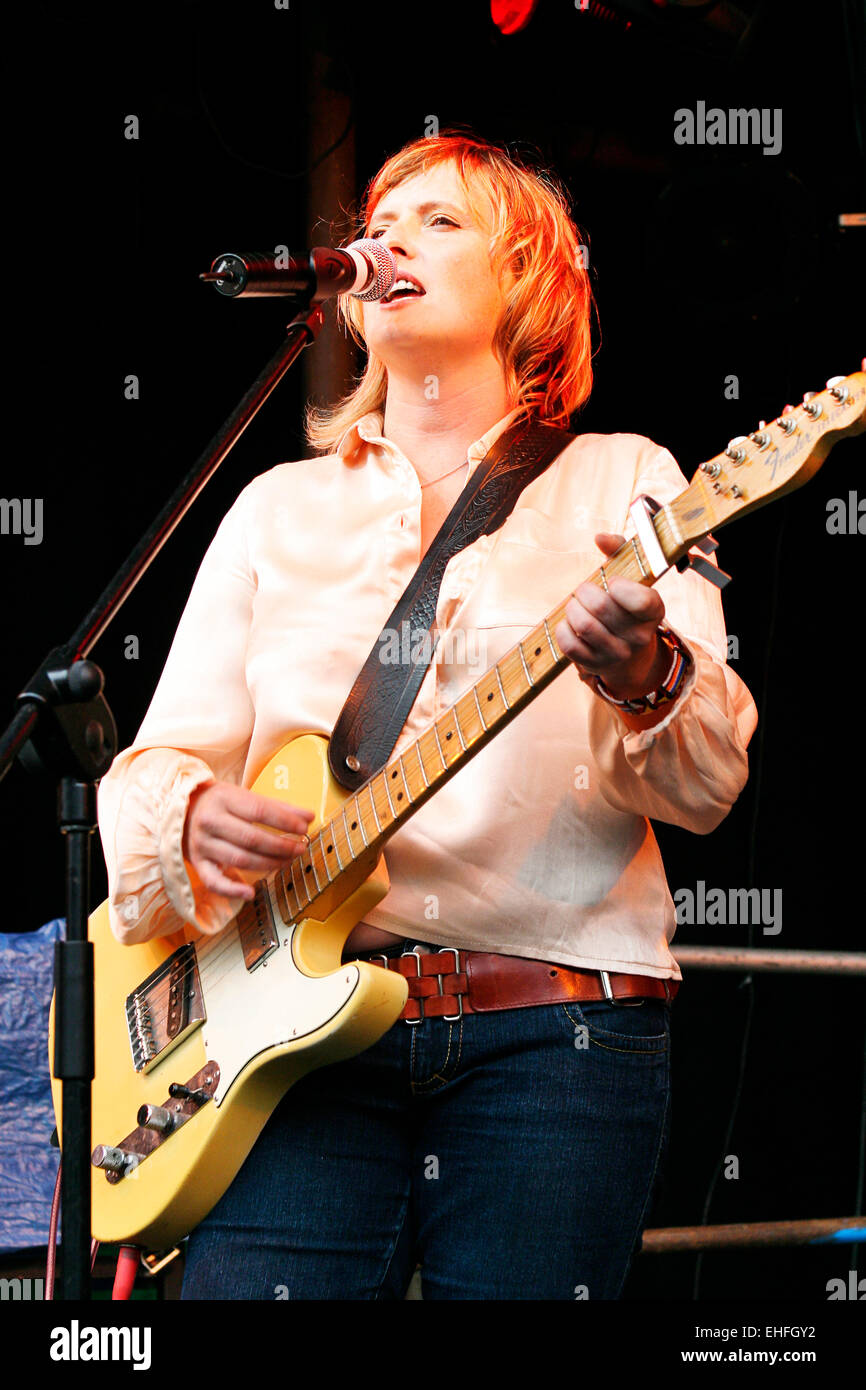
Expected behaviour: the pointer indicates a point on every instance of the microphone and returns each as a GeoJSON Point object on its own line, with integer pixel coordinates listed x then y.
{"type": "Point", "coordinates": [366, 269]}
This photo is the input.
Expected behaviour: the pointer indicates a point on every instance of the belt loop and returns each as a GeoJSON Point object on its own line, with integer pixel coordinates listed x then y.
{"type": "Point", "coordinates": [417, 954]}
{"type": "Point", "coordinates": [452, 1018]}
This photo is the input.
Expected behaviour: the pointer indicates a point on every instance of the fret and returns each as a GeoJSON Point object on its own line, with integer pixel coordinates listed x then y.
{"type": "Point", "coordinates": [313, 863]}
{"type": "Point", "coordinates": [388, 794]}
{"type": "Point", "coordinates": [478, 706]}
{"type": "Point", "coordinates": [296, 863]}
{"type": "Point", "coordinates": [361, 822]}
{"type": "Point", "coordinates": [378, 783]}
{"type": "Point", "coordinates": [529, 679]}
{"type": "Point", "coordinates": [501, 687]}
{"type": "Point", "coordinates": [553, 650]}
{"type": "Point", "coordinates": [439, 746]}
{"type": "Point", "coordinates": [283, 904]}
{"type": "Point", "coordinates": [340, 864]}
{"type": "Point", "coordinates": [321, 839]}
{"type": "Point", "coordinates": [457, 726]}
{"type": "Point", "coordinates": [321, 844]}
{"type": "Point", "coordinates": [417, 747]}
{"type": "Point", "coordinates": [373, 805]}
{"type": "Point", "coordinates": [405, 783]}
{"type": "Point", "coordinates": [348, 835]}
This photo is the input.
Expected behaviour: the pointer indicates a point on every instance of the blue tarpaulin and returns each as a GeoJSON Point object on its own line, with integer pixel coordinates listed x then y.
{"type": "Point", "coordinates": [28, 1163]}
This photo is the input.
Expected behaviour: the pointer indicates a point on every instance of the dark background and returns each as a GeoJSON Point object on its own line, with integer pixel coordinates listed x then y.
{"type": "Point", "coordinates": [706, 262]}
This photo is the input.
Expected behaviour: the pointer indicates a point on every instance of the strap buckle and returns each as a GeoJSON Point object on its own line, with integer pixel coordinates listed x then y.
{"type": "Point", "coordinates": [417, 954]}
{"type": "Point", "coordinates": [453, 1018]}
{"type": "Point", "coordinates": [440, 950]}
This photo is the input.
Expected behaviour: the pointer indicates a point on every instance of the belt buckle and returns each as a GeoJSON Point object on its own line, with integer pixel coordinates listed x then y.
{"type": "Point", "coordinates": [453, 1018]}
{"type": "Point", "coordinates": [611, 998]}
{"type": "Point", "coordinates": [416, 953]}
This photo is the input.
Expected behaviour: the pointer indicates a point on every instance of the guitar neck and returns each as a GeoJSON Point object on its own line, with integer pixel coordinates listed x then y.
{"type": "Point", "coordinates": [749, 473]}
{"type": "Point", "coordinates": [371, 816]}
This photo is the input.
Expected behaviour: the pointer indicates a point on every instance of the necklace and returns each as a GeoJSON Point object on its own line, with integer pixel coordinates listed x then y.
{"type": "Point", "coordinates": [443, 475]}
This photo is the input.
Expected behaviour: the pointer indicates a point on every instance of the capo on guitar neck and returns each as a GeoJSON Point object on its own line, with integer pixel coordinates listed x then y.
{"type": "Point", "coordinates": [642, 512]}
{"type": "Point", "coordinates": [695, 560]}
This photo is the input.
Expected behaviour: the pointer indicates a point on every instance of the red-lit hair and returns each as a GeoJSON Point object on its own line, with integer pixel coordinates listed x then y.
{"type": "Point", "coordinates": [543, 340]}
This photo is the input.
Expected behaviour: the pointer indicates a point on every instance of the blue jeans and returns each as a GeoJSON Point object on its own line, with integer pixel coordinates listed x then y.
{"type": "Point", "coordinates": [513, 1154]}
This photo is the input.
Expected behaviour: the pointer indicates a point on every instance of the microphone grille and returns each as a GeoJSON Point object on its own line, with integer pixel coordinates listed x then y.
{"type": "Point", "coordinates": [383, 263]}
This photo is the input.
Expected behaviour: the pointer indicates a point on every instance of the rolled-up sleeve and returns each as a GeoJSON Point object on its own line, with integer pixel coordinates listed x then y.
{"type": "Point", "coordinates": [689, 768]}
{"type": "Point", "coordinates": [196, 730]}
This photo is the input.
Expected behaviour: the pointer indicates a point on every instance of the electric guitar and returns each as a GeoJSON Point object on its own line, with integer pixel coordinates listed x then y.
{"type": "Point", "coordinates": [198, 1038]}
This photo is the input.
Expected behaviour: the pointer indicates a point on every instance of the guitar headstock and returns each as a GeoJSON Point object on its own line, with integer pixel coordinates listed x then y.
{"type": "Point", "coordinates": [777, 458]}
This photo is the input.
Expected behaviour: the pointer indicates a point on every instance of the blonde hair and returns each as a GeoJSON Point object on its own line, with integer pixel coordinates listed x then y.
{"type": "Point", "coordinates": [543, 340]}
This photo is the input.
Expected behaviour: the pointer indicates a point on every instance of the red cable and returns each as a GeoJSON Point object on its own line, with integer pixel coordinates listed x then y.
{"type": "Point", "coordinates": [51, 1257]}
{"type": "Point", "coordinates": [127, 1268]}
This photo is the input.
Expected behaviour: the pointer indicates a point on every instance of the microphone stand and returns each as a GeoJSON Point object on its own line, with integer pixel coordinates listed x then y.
{"type": "Point", "coordinates": [64, 729]}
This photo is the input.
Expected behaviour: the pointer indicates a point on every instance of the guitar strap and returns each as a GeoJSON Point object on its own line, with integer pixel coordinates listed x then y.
{"type": "Point", "coordinates": [380, 700]}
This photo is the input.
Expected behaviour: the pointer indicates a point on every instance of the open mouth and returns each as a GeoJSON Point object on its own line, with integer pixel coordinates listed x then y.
{"type": "Point", "coordinates": [403, 288]}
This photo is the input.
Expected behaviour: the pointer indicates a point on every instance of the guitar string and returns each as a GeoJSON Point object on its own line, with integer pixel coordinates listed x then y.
{"type": "Point", "coordinates": [210, 954]}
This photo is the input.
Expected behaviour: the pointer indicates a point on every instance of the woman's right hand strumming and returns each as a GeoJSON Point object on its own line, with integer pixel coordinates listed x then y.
{"type": "Point", "coordinates": [226, 830]}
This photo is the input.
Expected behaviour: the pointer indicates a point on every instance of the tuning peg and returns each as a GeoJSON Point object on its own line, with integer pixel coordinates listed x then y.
{"type": "Point", "coordinates": [735, 450]}
{"type": "Point", "coordinates": [785, 423]}
{"type": "Point", "coordinates": [839, 392]}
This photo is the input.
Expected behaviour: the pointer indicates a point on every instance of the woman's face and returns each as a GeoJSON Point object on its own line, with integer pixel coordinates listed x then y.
{"type": "Point", "coordinates": [438, 241]}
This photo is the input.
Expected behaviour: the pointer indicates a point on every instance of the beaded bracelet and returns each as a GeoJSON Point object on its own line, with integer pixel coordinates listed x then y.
{"type": "Point", "coordinates": [669, 688]}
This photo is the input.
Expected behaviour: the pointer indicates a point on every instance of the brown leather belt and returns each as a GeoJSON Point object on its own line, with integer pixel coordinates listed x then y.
{"type": "Point", "coordinates": [448, 983]}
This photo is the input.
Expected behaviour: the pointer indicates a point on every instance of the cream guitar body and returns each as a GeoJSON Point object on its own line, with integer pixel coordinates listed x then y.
{"type": "Point", "coordinates": [246, 1035]}
{"type": "Point", "coordinates": [199, 1038]}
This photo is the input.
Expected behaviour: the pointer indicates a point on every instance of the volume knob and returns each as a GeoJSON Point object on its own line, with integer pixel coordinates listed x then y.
{"type": "Point", "coordinates": [156, 1117]}
{"type": "Point", "coordinates": [111, 1159]}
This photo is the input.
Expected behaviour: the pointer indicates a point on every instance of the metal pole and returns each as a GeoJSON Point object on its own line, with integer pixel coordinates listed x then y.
{"type": "Point", "coordinates": [667, 1240]}
{"type": "Point", "coordinates": [740, 958]}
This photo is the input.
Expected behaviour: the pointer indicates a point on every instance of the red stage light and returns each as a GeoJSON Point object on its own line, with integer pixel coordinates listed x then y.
{"type": "Point", "coordinates": [512, 15]}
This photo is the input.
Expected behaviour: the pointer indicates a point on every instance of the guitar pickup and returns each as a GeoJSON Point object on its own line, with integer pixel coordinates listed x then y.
{"type": "Point", "coordinates": [257, 928]}
{"type": "Point", "coordinates": [164, 1008]}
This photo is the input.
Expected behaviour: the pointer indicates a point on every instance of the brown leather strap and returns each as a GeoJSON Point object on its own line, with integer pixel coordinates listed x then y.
{"type": "Point", "coordinates": [449, 983]}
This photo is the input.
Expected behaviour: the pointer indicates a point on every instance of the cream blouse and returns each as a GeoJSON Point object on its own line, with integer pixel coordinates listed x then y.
{"type": "Point", "coordinates": [541, 845]}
